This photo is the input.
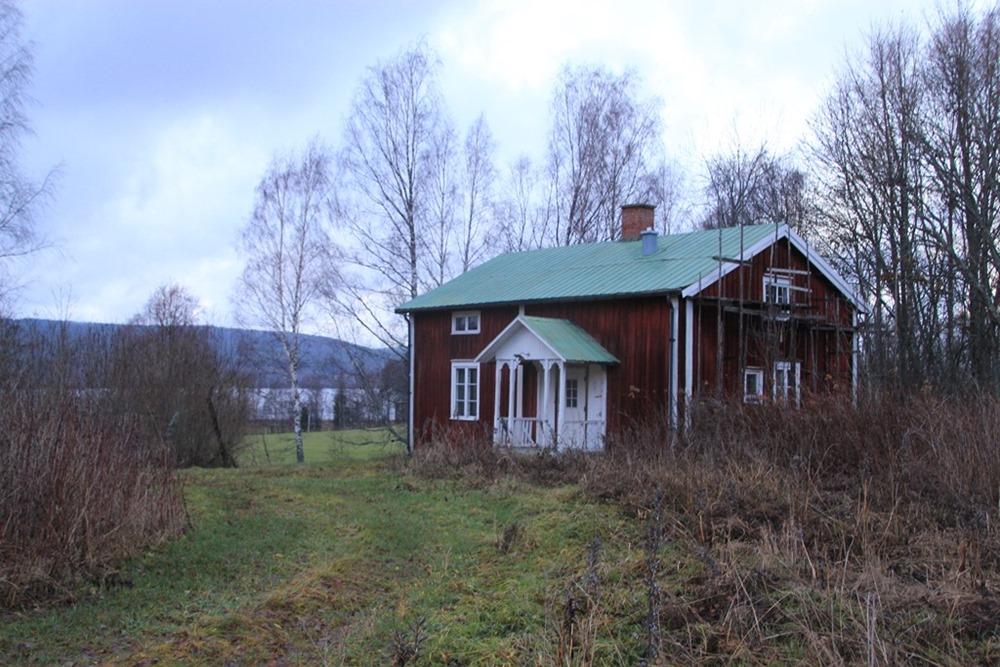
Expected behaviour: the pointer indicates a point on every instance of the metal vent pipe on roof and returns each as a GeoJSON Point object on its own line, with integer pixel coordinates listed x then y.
{"type": "Point", "coordinates": [648, 242]}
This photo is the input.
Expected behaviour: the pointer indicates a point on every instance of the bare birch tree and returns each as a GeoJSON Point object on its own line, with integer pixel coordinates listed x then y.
{"type": "Point", "coordinates": [459, 193]}
{"type": "Point", "coordinates": [437, 243]}
{"type": "Point", "coordinates": [288, 258]}
{"type": "Point", "coordinates": [664, 187]}
{"type": "Point", "coordinates": [603, 139]}
{"type": "Point", "coordinates": [476, 238]}
{"type": "Point", "coordinates": [522, 212]}
{"type": "Point", "coordinates": [388, 163]}
{"type": "Point", "coordinates": [19, 195]}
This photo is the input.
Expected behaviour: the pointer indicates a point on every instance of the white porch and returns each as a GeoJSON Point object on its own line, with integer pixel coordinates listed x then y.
{"type": "Point", "coordinates": [550, 385]}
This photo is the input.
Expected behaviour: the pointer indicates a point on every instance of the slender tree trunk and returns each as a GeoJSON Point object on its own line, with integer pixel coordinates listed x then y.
{"type": "Point", "coordinates": [293, 374]}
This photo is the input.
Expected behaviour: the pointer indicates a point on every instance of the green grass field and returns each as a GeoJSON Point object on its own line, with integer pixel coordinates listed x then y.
{"type": "Point", "coordinates": [324, 563]}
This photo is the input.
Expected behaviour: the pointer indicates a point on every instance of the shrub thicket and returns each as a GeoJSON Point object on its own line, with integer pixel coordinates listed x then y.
{"type": "Point", "coordinates": [80, 489]}
{"type": "Point", "coordinates": [91, 429]}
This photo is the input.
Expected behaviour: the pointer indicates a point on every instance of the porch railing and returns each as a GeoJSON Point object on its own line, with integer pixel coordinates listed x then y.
{"type": "Point", "coordinates": [534, 432]}
{"type": "Point", "coordinates": [583, 434]}
{"type": "Point", "coordinates": [523, 432]}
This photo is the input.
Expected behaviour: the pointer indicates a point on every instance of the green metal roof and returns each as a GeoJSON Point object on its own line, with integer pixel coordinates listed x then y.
{"type": "Point", "coordinates": [612, 268]}
{"type": "Point", "coordinates": [569, 341]}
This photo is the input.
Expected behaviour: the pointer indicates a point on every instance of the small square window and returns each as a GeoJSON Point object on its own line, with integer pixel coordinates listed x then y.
{"type": "Point", "coordinates": [572, 393]}
{"type": "Point", "coordinates": [753, 385]}
{"type": "Point", "coordinates": [465, 322]}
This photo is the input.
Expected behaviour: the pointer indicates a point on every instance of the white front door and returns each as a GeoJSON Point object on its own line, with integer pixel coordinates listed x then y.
{"type": "Point", "coordinates": [583, 420]}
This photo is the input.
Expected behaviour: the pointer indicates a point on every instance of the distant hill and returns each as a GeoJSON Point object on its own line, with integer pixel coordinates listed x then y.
{"type": "Point", "coordinates": [323, 358]}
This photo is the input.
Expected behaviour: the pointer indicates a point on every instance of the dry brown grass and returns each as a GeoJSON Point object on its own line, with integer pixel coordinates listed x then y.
{"type": "Point", "coordinates": [831, 535]}
{"type": "Point", "coordinates": [466, 454]}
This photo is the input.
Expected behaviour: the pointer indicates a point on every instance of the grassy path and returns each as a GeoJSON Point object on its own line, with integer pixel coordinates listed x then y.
{"type": "Point", "coordinates": [324, 564]}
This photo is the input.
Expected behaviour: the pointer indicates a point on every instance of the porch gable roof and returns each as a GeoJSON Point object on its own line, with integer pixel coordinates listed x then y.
{"type": "Point", "coordinates": [568, 342]}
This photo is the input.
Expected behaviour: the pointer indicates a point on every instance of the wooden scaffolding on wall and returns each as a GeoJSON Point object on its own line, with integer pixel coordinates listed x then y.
{"type": "Point", "coordinates": [775, 330]}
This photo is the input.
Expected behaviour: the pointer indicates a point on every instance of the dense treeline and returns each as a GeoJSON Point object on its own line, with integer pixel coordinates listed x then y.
{"type": "Point", "coordinates": [907, 150]}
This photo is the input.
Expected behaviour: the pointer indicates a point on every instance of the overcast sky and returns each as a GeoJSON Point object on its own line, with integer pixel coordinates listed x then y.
{"type": "Point", "coordinates": [161, 116]}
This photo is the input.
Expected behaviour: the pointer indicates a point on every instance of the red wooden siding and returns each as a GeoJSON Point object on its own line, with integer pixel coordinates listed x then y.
{"type": "Point", "coordinates": [636, 331]}
{"type": "Point", "coordinates": [823, 298]}
{"type": "Point", "coordinates": [435, 348]}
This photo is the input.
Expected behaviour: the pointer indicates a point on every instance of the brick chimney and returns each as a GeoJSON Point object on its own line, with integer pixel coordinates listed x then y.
{"type": "Point", "coordinates": [636, 218]}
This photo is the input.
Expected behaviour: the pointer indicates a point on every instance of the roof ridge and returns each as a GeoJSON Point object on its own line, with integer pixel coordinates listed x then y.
{"type": "Point", "coordinates": [605, 269]}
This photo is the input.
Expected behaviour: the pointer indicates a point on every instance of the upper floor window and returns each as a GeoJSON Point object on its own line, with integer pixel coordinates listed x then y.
{"type": "Point", "coordinates": [777, 290]}
{"type": "Point", "coordinates": [465, 322]}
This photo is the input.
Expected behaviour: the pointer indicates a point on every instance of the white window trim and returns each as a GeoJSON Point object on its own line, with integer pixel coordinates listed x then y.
{"type": "Point", "coordinates": [753, 398]}
{"type": "Point", "coordinates": [465, 313]}
{"type": "Point", "coordinates": [455, 365]}
{"type": "Point", "coordinates": [787, 366]}
{"type": "Point", "coordinates": [779, 282]}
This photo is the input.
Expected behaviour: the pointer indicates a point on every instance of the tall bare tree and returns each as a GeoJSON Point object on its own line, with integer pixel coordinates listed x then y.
{"type": "Point", "coordinates": [169, 306]}
{"type": "Point", "coordinates": [603, 139]}
{"type": "Point", "coordinates": [894, 200]}
{"type": "Point", "coordinates": [437, 243]}
{"type": "Point", "coordinates": [664, 187]}
{"type": "Point", "coordinates": [476, 238]}
{"type": "Point", "coordinates": [19, 195]}
{"type": "Point", "coordinates": [388, 163]}
{"type": "Point", "coordinates": [185, 379]}
{"type": "Point", "coordinates": [288, 258]}
{"type": "Point", "coordinates": [867, 147]}
{"type": "Point", "coordinates": [459, 196]}
{"type": "Point", "coordinates": [747, 186]}
{"type": "Point", "coordinates": [522, 210]}
{"type": "Point", "coordinates": [960, 134]}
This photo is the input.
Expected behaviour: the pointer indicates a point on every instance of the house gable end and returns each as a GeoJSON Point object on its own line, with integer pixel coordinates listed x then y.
{"type": "Point", "coordinates": [783, 232]}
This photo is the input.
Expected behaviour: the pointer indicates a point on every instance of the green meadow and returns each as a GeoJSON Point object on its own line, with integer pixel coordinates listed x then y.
{"type": "Point", "coordinates": [350, 559]}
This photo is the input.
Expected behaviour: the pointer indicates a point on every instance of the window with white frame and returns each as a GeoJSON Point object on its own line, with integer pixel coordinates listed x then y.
{"type": "Point", "coordinates": [753, 385]}
{"type": "Point", "coordinates": [464, 390]}
{"type": "Point", "coordinates": [786, 382]}
{"type": "Point", "coordinates": [465, 322]}
{"type": "Point", "coordinates": [572, 393]}
{"type": "Point", "coordinates": [777, 290]}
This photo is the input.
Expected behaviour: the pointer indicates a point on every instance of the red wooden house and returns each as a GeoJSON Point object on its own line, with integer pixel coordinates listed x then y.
{"type": "Point", "coordinates": [561, 346]}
